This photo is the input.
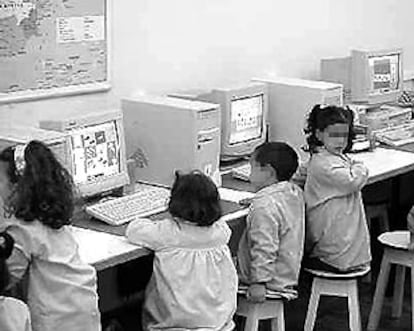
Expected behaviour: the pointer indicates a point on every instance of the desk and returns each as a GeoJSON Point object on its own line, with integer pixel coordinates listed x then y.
{"type": "Point", "coordinates": [384, 163]}
{"type": "Point", "coordinates": [104, 246]}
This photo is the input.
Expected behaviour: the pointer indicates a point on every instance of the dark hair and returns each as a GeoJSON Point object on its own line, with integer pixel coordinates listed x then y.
{"type": "Point", "coordinates": [321, 117]}
{"type": "Point", "coordinates": [43, 189]}
{"type": "Point", "coordinates": [280, 156]}
{"type": "Point", "coordinates": [195, 198]}
{"type": "Point", "coordinates": [6, 247]}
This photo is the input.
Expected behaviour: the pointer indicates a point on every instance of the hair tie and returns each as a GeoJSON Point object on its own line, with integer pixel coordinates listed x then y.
{"type": "Point", "coordinates": [19, 161]}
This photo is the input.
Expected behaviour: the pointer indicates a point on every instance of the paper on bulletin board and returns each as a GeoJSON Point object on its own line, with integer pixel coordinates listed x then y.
{"type": "Point", "coordinates": [80, 29]}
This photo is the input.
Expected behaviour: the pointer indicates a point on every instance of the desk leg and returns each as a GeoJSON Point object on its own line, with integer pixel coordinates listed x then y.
{"type": "Point", "coordinates": [395, 204]}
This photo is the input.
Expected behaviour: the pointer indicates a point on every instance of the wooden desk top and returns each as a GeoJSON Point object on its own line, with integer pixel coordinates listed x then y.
{"type": "Point", "coordinates": [104, 250]}
{"type": "Point", "coordinates": [384, 163]}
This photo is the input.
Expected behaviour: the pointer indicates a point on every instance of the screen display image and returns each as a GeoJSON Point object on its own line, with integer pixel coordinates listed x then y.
{"type": "Point", "coordinates": [246, 119]}
{"type": "Point", "coordinates": [95, 152]}
{"type": "Point", "coordinates": [384, 73]}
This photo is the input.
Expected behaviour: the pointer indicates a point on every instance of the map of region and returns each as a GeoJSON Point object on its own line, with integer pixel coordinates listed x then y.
{"type": "Point", "coordinates": [48, 44]}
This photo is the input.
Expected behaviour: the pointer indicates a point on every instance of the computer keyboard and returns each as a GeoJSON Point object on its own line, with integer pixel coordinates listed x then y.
{"type": "Point", "coordinates": [397, 135]}
{"type": "Point", "coordinates": [145, 201]}
{"type": "Point", "coordinates": [242, 172]}
{"type": "Point", "coordinates": [406, 99]}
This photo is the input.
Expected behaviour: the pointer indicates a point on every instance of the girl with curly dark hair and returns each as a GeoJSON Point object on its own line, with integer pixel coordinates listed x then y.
{"type": "Point", "coordinates": [37, 192]}
{"type": "Point", "coordinates": [337, 237]}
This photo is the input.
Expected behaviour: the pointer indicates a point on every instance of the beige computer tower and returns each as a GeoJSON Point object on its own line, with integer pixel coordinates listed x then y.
{"type": "Point", "coordinates": [290, 101]}
{"type": "Point", "coordinates": [19, 134]}
{"type": "Point", "coordinates": [173, 134]}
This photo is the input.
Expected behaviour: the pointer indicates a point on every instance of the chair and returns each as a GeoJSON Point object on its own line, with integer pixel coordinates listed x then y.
{"type": "Point", "coordinates": [272, 308]}
{"type": "Point", "coordinates": [395, 252]}
{"type": "Point", "coordinates": [335, 284]}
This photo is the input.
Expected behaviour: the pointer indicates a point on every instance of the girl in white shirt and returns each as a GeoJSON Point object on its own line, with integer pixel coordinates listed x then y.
{"type": "Point", "coordinates": [38, 200]}
{"type": "Point", "coordinates": [337, 236]}
{"type": "Point", "coordinates": [194, 281]}
{"type": "Point", "coordinates": [14, 314]}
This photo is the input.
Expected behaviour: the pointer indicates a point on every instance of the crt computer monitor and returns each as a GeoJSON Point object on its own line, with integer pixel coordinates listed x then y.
{"type": "Point", "coordinates": [244, 112]}
{"type": "Point", "coordinates": [369, 76]}
{"type": "Point", "coordinates": [97, 150]}
{"type": "Point", "coordinates": [377, 76]}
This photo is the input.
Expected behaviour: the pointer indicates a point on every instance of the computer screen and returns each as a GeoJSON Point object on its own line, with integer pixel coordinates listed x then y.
{"type": "Point", "coordinates": [246, 119]}
{"type": "Point", "coordinates": [384, 73]}
{"type": "Point", "coordinates": [97, 150]}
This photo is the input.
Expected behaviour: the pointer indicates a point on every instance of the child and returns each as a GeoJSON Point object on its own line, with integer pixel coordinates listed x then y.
{"type": "Point", "coordinates": [337, 237]}
{"type": "Point", "coordinates": [14, 314]}
{"type": "Point", "coordinates": [38, 200]}
{"type": "Point", "coordinates": [194, 281]}
{"type": "Point", "coordinates": [271, 247]}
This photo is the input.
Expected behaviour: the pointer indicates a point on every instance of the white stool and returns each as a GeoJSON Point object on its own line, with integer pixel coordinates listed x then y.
{"type": "Point", "coordinates": [333, 284]}
{"type": "Point", "coordinates": [272, 309]}
{"type": "Point", "coordinates": [395, 252]}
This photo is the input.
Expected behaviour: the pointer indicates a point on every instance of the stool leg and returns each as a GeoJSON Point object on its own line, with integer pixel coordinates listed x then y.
{"type": "Point", "coordinates": [382, 280]}
{"type": "Point", "coordinates": [312, 306]}
{"type": "Point", "coordinates": [385, 224]}
{"type": "Point", "coordinates": [353, 307]}
{"type": "Point", "coordinates": [252, 322]}
{"type": "Point", "coordinates": [398, 291]}
{"type": "Point", "coordinates": [278, 324]}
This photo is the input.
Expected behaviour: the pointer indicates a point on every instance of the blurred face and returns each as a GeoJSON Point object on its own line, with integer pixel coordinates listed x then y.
{"type": "Point", "coordinates": [261, 175]}
{"type": "Point", "coordinates": [334, 137]}
{"type": "Point", "coordinates": [5, 185]}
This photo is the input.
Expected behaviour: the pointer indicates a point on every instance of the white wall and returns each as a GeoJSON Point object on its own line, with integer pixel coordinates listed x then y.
{"type": "Point", "coordinates": [165, 45]}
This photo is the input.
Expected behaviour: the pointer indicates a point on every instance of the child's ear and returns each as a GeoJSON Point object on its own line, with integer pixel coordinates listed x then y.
{"type": "Point", "coordinates": [319, 134]}
{"type": "Point", "coordinates": [272, 171]}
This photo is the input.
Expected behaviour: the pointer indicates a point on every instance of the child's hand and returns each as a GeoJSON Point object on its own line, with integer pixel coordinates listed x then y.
{"type": "Point", "coordinates": [256, 293]}
{"type": "Point", "coordinates": [246, 202]}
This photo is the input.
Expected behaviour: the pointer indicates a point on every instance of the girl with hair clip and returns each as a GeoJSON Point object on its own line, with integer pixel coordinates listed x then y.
{"type": "Point", "coordinates": [14, 314]}
{"type": "Point", "coordinates": [38, 202]}
{"type": "Point", "coordinates": [194, 281]}
{"type": "Point", "coordinates": [337, 236]}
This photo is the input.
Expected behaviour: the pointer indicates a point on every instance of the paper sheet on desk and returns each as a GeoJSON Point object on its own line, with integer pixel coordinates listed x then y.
{"type": "Point", "coordinates": [234, 195]}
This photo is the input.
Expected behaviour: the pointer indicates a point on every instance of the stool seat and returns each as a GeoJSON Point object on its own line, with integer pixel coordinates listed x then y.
{"type": "Point", "coordinates": [271, 294]}
{"type": "Point", "coordinates": [395, 239]}
{"type": "Point", "coordinates": [346, 275]}
{"type": "Point", "coordinates": [335, 284]}
{"type": "Point", "coordinates": [396, 251]}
